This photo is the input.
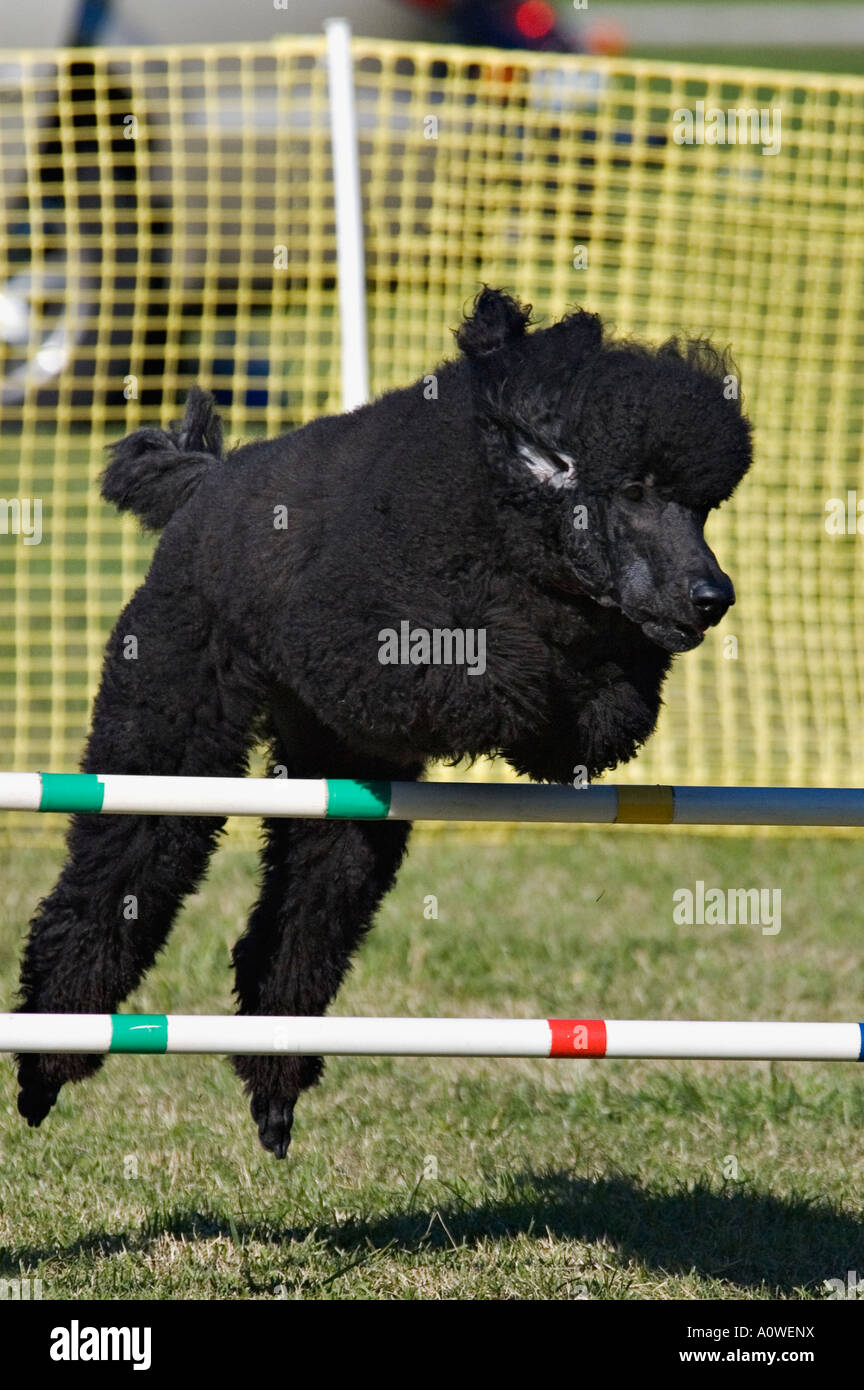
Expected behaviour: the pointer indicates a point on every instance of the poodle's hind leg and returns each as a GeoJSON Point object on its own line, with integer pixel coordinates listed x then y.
{"type": "Point", "coordinates": [323, 881]}
{"type": "Point", "coordinates": [167, 704]}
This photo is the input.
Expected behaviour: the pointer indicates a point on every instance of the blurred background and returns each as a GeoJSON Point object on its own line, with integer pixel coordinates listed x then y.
{"type": "Point", "coordinates": [166, 217]}
{"type": "Point", "coordinates": [827, 37]}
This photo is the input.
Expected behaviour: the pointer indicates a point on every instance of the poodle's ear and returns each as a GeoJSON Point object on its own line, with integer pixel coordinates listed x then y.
{"type": "Point", "coordinates": [578, 333]}
{"type": "Point", "coordinates": [496, 319]}
{"type": "Point", "coordinates": [701, 354]}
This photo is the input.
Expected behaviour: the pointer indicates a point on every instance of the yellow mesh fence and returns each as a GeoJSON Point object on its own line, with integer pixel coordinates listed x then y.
{"type": "Point", "coordinates": [167, 217]}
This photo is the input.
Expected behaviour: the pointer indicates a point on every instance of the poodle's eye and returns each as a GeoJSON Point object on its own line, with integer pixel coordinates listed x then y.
{"type": "Point", "coordinates": [634, 492]}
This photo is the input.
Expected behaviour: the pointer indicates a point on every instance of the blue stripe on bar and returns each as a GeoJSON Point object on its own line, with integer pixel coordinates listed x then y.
{"type": "Point", "coordinates": [861, 1048]}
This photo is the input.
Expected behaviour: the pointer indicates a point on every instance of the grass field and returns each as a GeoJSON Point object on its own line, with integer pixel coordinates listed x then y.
{"type": "Point", "coordinates": [413, 1179]}
{"type": "Point", "coordinates": [828, 59]}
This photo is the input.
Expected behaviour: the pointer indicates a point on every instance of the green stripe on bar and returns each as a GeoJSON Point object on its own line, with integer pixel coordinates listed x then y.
{"type": "Point", "coordinates": [71, 791]}
{"type": "Point", "coordinates": [348, 800]}
{"type": "Point", "coordinates": [139, 1033]}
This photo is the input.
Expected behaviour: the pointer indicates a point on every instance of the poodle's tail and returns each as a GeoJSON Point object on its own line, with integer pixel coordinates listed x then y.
{"type": "Point", "coordinates": [153, 472]}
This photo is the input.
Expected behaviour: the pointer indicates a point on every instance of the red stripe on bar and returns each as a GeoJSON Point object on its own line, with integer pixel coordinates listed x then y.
{"type": "Point", "coordinates": [577, 1037]}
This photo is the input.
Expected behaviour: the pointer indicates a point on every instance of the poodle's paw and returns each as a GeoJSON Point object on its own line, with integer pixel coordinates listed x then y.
{"type": "Point", "coordinates": [274, 1116]}
{"type": "Point", "coordinates": [35, 1097]}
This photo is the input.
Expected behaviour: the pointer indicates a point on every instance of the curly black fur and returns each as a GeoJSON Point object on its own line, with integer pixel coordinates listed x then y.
{"type": "Point", "coordinates": [497, 319]}
{"type": "Point", "coordinates": [552, 494]}
{"type": "Point", "coordinates": [153, 472]}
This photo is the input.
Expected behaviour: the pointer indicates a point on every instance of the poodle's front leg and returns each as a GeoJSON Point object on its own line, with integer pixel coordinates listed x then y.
{"type": "Point", "coordinates": [167, 704]}
{"type": "Point", "coordinates": [594, 723]}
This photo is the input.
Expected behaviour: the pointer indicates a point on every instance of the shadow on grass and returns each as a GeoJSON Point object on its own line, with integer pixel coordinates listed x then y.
{"type": "Point", "coordinates": [746, 1239]}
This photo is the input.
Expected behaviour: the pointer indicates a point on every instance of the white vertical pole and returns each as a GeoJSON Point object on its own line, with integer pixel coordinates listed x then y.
{"type": "Point", "coordinates": [349, 216]}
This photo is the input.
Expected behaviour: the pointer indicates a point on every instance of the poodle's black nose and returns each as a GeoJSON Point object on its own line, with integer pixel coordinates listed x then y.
{"type": "Point", "coordinates": [711, 598]}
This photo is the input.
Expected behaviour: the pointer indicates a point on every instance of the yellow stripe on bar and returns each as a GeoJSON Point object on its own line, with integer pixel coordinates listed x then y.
{"type": "Point", "coordinates": [645, 806]}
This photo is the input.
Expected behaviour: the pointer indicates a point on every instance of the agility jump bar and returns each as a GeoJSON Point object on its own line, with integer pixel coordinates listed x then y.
{"type": "Point", "coordinates": [430, 1037]}
{"type": "Point", "coordinates": [342, 799]}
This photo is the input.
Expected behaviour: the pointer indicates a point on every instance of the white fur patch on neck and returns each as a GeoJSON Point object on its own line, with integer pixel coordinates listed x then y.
{"type": "Point", "coordinates": [544, 468]}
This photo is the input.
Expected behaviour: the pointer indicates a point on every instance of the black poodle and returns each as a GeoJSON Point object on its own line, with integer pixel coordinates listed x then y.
{"type": "Point", "coordinates": [544, 493]}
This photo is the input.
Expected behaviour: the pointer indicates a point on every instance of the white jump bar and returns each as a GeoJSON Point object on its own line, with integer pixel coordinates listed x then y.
{"type": "Point", "coordinates": [433, 1037]}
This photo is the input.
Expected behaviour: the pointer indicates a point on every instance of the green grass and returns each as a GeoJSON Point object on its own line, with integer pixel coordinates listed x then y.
{"type": "Point", "coordinates": [475, 1179]}
{"type": "Point", "coordinates": [795, 58]}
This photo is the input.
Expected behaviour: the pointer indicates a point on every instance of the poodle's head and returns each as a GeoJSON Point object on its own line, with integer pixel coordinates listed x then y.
{"type": "Point", "coordinates": [606, 458]}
